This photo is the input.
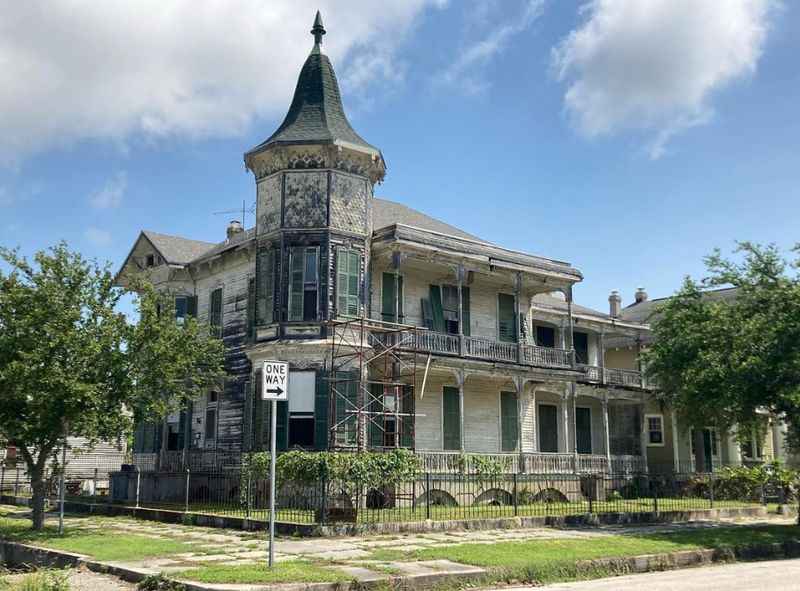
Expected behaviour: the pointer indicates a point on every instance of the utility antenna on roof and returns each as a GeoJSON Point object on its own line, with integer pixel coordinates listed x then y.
{"type": "Point", "coordinates": [244, 211]}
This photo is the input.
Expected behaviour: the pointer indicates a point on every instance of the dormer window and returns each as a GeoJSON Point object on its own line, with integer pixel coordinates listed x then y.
{"type": "Point", "coordinates": [150, 261]}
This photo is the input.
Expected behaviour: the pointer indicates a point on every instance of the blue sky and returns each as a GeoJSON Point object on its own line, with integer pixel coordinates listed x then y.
{"type": "Point", "coordinates": [628, 137]}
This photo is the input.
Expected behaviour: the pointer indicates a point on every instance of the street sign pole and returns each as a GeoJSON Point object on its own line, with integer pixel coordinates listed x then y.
{"type": "Point", "coordinates": [274, 387]}
{"type": "Point", "coordinates": [273, 439]}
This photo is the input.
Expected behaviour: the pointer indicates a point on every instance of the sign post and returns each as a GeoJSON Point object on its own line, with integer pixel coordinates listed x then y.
{"type": "Point", "coordinates": [274, 387]}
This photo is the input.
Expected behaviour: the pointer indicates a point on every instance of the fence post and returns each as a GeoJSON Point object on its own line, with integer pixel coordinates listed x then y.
{"type": "Point", "coordinates": [654, 489]}
{"type": "Point", "coordinates": [247, 494]}
{"type": "Point", "coordinates": [94, 486]}
{"type": "Point", "coordinates": [138, 484]}
{"type": "Point", "coordinates": [427, 495]}
{"type": "Point", "coordinates": [516, 502]}
{"type": "Point", "coordinates": [711, 491]}
{"type": "Point", "coordinates": [592, 487]}
{"type": "Point", "coordinates": [186, 497]}
{"type": "Point", "coordinates": [324, 512]}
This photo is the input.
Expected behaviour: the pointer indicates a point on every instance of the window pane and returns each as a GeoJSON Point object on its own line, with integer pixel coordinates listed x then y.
{"type": "Point", "coordinates": [180, 308]}
{"type": "Point", "coordinates": [296, 283]}
{"type": "Point", "coordinates": [311, 266]}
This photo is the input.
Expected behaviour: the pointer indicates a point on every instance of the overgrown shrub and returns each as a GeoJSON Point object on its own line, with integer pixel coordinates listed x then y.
{"type": "Point", "coordinates": [159, 583]}
{"type": "Point", "coordinates": [745, 483]}
{"type": "Point", "coordinates": [44, 580]}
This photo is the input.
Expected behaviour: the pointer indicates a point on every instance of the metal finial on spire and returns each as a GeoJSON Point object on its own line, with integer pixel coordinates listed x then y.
{"type": "Point", "coordinates": [318, 30]}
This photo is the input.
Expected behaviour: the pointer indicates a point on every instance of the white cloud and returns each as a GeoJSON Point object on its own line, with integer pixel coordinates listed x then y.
{"type": "Point", "coordinates": [97, 236]}
{"type": "Point", "coordinates": [111, 194]}
{"type": "Point", "coordinates": [461, 73]}
{"type": "Point", "coordinates": [652, 66]}
{"type": "Point", "coordinates": [109, 70]}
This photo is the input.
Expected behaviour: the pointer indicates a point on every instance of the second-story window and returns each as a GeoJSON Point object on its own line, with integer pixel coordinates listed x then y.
{"type": "Point", "coordinates": [265, 287]}
{"type": "Point", "coordinates": [545, 336]}
{"type": "Point", "coordinates": [303, 282]}
{"type": "Point", "coordinates": [215, 312]}
{"type": "Point", "coordinates": [506, 318]}
{"type": "Point", "coordinates": [392, 298]}
{"type": "Point", "coordinates": [348, 270]}
{"type": "Point", "coordinates": [580, 342]}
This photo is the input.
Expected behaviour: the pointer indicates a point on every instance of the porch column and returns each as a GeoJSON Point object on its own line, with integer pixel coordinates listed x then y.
{"type": "Point", "coordinates": [460, 279]}
{"type": "Point", "coordinates": [734, 449]}
{"type": "Point", "coordinates": [460, 379]}
{"type": "Point", "coordinates": [779, 439]}
{"type": "Point", "coordinates": [606, 431]}
{"type": "Point", "coordinates": [601, 356]}
{"type": "Point", "coordinates": [517, 289]}
{"type": "Point", "coordinates": [535, 442]}
{"type": "Point", "coordinates": [643, 434]}
{"type": "Point", "coordinates": [574, 426]}
{"type": "Point", "coordinates": [571, 341]}
{"type": "Point", "coordinates": [676, 457]}
{"type": "Point", "coordinates": [397, 260]}
{"type": "Point", "coordinates": [362, 397]}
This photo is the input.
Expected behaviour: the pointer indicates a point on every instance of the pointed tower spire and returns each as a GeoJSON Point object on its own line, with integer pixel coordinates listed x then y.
{"type": "Point", "coordinates": [318, 30]}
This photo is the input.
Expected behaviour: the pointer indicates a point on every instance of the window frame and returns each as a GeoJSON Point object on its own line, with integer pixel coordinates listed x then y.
{"type": "Point", "coordinates": [559, 427]}
{"type": "Point", "coordinates": [307, 285]}
{"type": "Point", "coordinates": [662, 430]}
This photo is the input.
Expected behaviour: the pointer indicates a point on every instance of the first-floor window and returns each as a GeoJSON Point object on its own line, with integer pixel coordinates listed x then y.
{"type": "Point", "coordinates": [303, 282]}
{"type": "Point", "coordinates": [451, 418]}
{"type": "Point", "coordinates": [548, 428]}
{"type": "Point", "coordinates": [509, 421]}
{"type": "Point", "coordinates": [655, 430]}
{"type": "Point", "coordinates": [211, 415]}
{"type": "Point", "coordinates": [583, 429]}
{"type": "Point", "coordinates": [301, 408]}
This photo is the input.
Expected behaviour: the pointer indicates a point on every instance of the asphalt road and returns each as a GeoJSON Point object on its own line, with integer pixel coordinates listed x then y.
{"type": "Point", "coordinates": [777, 575]}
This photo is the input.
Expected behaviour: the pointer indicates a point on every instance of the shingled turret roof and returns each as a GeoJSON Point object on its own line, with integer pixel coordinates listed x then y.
{"type": "Point", "coordinates": [316, 115]}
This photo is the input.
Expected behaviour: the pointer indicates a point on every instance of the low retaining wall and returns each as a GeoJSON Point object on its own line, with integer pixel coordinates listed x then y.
{"type": "Point", "coordinates": [351, 529]}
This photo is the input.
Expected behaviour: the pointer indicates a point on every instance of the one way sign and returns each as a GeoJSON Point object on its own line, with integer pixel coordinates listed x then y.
{"type": "Point", "coordinates": [275, 380]}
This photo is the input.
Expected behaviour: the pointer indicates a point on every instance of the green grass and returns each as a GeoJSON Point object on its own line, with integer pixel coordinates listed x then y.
{"type": "Point", "coordinates": [292, 571]}
{"type": "Point", "coordinates": [548, 561]}
{"type": "Point", "coordinates": [100, 545]}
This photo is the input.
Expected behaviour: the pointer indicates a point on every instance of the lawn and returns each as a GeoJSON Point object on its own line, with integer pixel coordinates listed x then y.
{"type": "Point", "coordinates": [98, 544]}
{"type": "Point", "coordinates": [548, 561]}
{"type": "Point", "coordinates": [294, 571]}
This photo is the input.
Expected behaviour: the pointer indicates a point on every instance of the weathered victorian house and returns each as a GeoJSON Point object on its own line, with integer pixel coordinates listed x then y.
{"type": "Point", "coordinates": [400, 330]}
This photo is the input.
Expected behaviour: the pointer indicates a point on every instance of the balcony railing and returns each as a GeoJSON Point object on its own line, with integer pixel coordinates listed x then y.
{"type": "Point", "coordinates": [613, 376]}
{"type": "Point", "coordinates": [453, 462]}
{"type": "Point", "coordinates": [479, 348]}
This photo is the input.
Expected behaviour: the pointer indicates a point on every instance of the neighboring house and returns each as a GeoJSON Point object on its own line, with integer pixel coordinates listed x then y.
{"type": "Point", "coordinates": [400, 329]}
{"type": "Point", "coordinates": [671, 446]}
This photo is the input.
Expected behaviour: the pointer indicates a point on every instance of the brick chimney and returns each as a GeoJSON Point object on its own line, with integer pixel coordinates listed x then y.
{"type": "Point", "coordinates": [640, 295]}
{"type": "Point", "coordinates": [234, 229]}
{"type": "Point", "coordinates": [614, 304]}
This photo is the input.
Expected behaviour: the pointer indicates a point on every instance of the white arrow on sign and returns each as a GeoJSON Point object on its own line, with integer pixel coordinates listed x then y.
{"type": "Point", "coordinates": [274, 380]}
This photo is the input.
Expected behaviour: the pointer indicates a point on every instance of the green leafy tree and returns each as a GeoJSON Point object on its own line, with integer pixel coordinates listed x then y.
{"type": "Point", "coordinates": [722, 360]}
{"type": "Point", "coordinates": [72, 364]}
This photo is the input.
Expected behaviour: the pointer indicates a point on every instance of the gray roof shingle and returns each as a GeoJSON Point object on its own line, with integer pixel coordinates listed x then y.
{"type": "Point", "coordinates": [177, 250]}
{"type": "Point", "coordinates": [387, 213]}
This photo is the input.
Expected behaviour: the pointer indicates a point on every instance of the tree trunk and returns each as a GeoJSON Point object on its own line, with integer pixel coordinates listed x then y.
{"type": "Point", "coordinates": [38, 490]}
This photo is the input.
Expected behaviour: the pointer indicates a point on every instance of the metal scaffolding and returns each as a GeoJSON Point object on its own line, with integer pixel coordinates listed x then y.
{"type": "Point", "coordinates": [372, 376]}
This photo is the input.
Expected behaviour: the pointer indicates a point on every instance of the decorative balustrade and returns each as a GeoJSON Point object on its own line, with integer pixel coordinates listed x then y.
{"type": "Point", "coordinates": [546, 356]}
{"type": "Point", "coordinates": [481, 348]}
{"type": "Point", "coordinates": [593, 373]}
{"type": "Point", "coordinates": [623, 377]}
{"type": "Point", "coordinates": [437, 342]}
{"type": "Point", "coordinates": [453, 462]}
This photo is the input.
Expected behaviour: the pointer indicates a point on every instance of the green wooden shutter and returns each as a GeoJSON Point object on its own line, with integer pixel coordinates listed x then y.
{"type": "Point", "coordinates": [465, 317]}
{"type": "Point", "coordinates": [259, 413]}
{"type": "Point", "coordinates": [451, 419]}
{"type": "Point", "coordinates": [509, 421]}
{"type": "Point", "coordinates": [407, 407]}
{"type": "Point", "coordinates": [265, 287]}
{"type": "Point", "coordinates": [348, 270]}
{"type": "Point", "coordinates": [427, 313]}
{"type": "Point", "coordinates": [376, 423]}
{"type": "Point", "coordinates": [548, 428]}
{"type": "Point", "coordinates": [388, 298]}
{"type": "Point", "coordinates": [583, 430]}
{"type": "Point", "coordinates": [282, 426]}
{"type": "Point", "coordinates": [296, 268]}
{"type": "Point", "coordinates": [321, 412]}
{"type": "Point", "coordinates": [436, 308]}
{"type": "Point", "coordinates": [215, 312]}
{"type": "Point", "coordinates": [506, 318]}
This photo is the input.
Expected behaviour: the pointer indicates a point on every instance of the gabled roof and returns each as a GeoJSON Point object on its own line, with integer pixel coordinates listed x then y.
{"type": "Point", "coordinates": [387, 213]}
{"type": "Point", "coordinates": [175, 249]}
{"type": "Point", "coordinates": [644, 311]}
{"type": "Point", "coordinates": [316, 115]}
